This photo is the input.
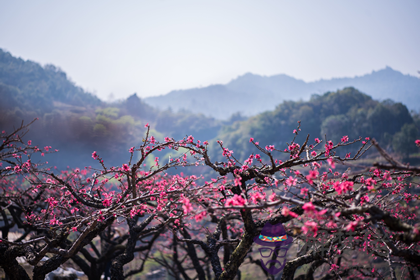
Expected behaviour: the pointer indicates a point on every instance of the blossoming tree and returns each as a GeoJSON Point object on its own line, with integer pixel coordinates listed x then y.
{"type": "Point", "coordinates": [207, 224]}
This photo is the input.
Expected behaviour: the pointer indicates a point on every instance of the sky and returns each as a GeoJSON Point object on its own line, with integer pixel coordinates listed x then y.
{"type": "Point", "coordinates": [116, 48]}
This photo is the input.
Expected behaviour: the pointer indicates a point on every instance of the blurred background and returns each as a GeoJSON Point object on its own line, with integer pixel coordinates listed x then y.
{"type": "Point", "coordinates": [95, 73]}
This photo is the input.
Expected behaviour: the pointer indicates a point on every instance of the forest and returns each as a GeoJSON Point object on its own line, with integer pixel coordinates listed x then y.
{"type": "Point", "coordinates": [123, 190]}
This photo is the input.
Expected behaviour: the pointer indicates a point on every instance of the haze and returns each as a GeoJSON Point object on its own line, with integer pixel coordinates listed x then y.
{"type": "Point", "coordinates": [153, 47]}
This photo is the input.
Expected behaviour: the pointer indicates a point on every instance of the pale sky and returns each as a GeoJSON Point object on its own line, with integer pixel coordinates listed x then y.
{"type": "Point", "coordinates": [153, 47]}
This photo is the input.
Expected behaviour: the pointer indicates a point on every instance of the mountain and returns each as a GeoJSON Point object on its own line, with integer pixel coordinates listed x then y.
{"type": "Point", "coordinates": [77, 122]}
{"type": "Point", "coordinates": [251, 94]}
{"type": "Point", "coordinates": [329, 116]}
{"type": "Point", "coordinates": [32, 87]}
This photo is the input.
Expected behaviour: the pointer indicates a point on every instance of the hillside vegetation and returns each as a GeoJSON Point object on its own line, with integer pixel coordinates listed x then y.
{"type": "Point", "coordinates": [331, 116]}
{"type": "Point", "coordinates": [77, 122]}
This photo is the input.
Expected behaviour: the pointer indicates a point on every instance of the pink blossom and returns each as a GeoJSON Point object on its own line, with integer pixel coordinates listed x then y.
{"type": "Point", "coordinates": [312, 175]}
{"type": "Point", "coordinates": [54, 221]}
{"type": "Point", "coordinates": [304, 191]}
{"type": "Point", "coordinates": [313, 153]}
{"type": "Point", "coordinates": [94, 155]}
{"type": "Point", "coordinates": [317, 140]}
{"type": "Point", "coordinates": [352, 226]}
{"type": "Point", "coordinates": [343, 187]}
{"type": "Point", "coordinates": [133, 212]}
{"type": "Point", "coordinates": [200, 216]}
{"type": "Point", "coordinates": [256, 197]}
{"type": "Point", "coordinates": [334, 267]}
{"type": "Point", "coordinates": [235, 200]}
{"type": "Point", "coordinates": [251, 139]}
{"type": "Point", "coordinates": [328, 147]}
{"type": "Point", "coordinates": [363, 199]}
{"type": "Point", "coordinates": [370, 183]}
{"type": "Point", "coordinates": [293, 147]}
{"type": "Point", "coordinates": [291, 181]}
{"type": "Point", "coordinates": [125, 167]}
{"type": "Point", "coordinates": [417, 142]}
{"type": "Point", "coordinates": [308, 207]}
{"type": "Point", "coordinates": [131, 150]}
{"type": "Point", "coordinates": [286, 212]}
{"type": "Point", "coordinates": [29, 142]}
{"type": "Point", "coordinates": [17, 169]}
{"type": "Point", "coordinates": [331, 224]}
{"type": "Point", "coordinates": [272, 197]}
{"type": "Point", "coordinates": [387, 176]}
{"type": "Point", "coordinates": [107, 202]}
{"type": "Point", "coordinates": [146, 125]}
{"type": "Point", "coordinates": [237, 181]}
{"type": "Point", "coordinates": [310, 225]}
{"type": "Point", "coordinates": [331, 163]}
{"type": "Point", "coordinates": [186, 205]}
{"type": "Point", "coordinates": [269, 148]}
{"type": "Point", "coordinates": [344, 139]}
{"type": "Point", "coordinates": [74, 228]}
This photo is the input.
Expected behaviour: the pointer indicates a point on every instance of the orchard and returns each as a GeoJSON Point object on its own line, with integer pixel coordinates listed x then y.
{"type": "Point", "coordinates": [204, 216]}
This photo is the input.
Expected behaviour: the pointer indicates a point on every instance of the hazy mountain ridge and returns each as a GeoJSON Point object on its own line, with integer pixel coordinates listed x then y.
{"type": "Point", "coordinates": [34, 87]}
{"type": "Point", "coordinates": [251, 94]}
{"type": "Point", "coordinates": [78, 123]}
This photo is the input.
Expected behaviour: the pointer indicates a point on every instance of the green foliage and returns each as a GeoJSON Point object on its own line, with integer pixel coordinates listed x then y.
{"type": "Point", "coordinates": [403, 141]}
{"type": "Point", "coordinates": [387, 117]}
{"type": "Point", "coordinates": [38, 87]}
{"type": "Point", "coordinates": [334, 114]}
{"type": "Point", "coordinates": [181, 124]}
{"type": "Point", "coordinates": [110, 112]}
{"type": "Point", "coordinates": [335, 126]}
{"type": "Point", "coordinates": [100, 130]}
{"type": "Point", "coordinates": [126, 121]}
{"type": "Point", "coordinates": [70, 117]}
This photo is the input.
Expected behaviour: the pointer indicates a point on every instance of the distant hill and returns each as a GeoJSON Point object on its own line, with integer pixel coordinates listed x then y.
{"type": "Point", "coordinates": [251, 94]}
{"type": "Point", "coordinates": [77, 122]}
{"type": "Point", "coordinates": [30, 86]}
{"type": "Point", "coordinates": [329, 116]}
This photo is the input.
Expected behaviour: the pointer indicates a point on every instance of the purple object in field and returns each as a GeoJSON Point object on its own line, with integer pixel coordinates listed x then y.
{"type": "Point", "coordinates": [273, 236]}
